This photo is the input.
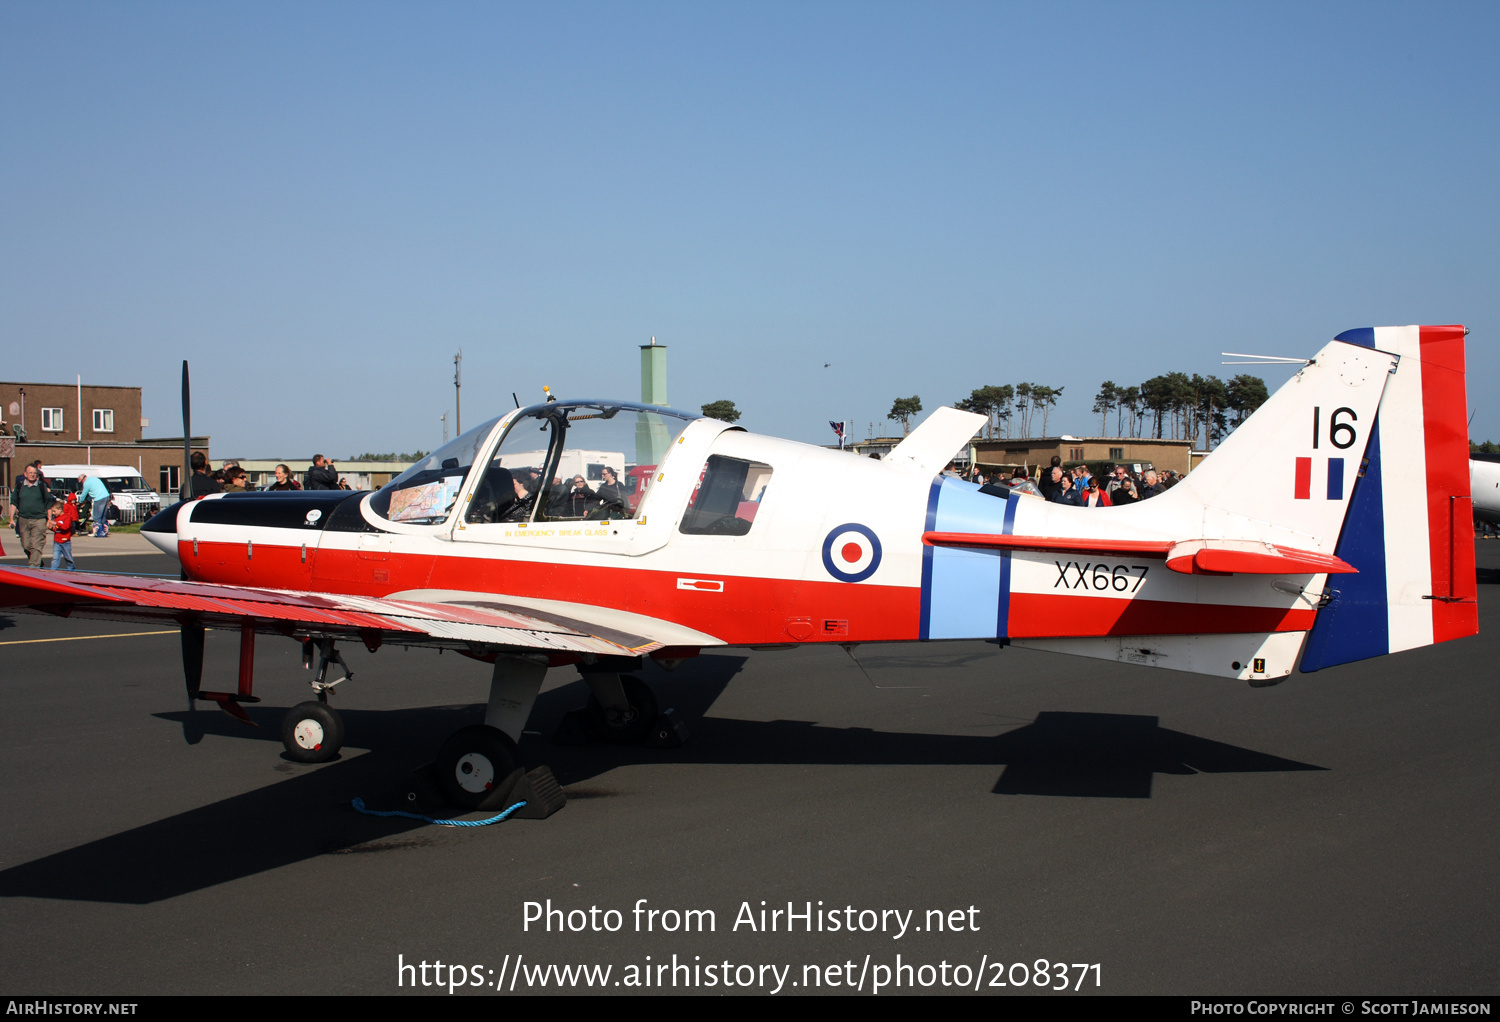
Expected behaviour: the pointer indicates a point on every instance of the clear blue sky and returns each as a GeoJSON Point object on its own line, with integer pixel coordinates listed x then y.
{"type": "Point", "coordinates": [317, 204]}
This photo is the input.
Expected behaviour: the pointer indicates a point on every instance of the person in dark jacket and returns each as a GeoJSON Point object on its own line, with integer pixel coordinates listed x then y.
{"type": "Point", "coordinates": [580, 500]}
{"type": "Point", "coordinates": [611, 493]}
{"type": "Point", "coordinates": [1051, 477]}
{"type": "Point", "coordinates": [1066, 492]}
{"type": "Point", "coordinates": [322, 475]}
{"type": "Point", "coordinates": [30, 499]}
{"type": "Point", "coordinates": [202, 484]}
{"type": "Point", "coordinates": [284, 480]}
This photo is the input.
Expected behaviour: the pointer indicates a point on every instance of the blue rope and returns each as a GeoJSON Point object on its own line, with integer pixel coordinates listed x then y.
{"type": "Point", "coordinates": [359, 807]}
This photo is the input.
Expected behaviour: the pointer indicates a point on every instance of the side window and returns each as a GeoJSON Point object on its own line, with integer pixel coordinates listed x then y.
{"type": "Point", "coordinates": [727, 497]}
{"type": "Point", "coordinates": [574, 462]}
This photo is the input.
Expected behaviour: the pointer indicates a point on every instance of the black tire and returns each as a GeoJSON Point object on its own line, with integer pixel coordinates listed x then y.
{"type": "Point", "coordinates": [633, 728]}
{"type": "Point", "coordinates": [312, 732]}
{"type": "Point", "coordinates": [472, 762]}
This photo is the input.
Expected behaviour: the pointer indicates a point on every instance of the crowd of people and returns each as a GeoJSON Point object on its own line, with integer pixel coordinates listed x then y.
{"type": "Point", "coordinates": [510, 495]}
{"type": "Point", "coordinates": [1078, 486]}
{"type": "Point", "coordinates": [39, 508]}
{"type": "Point", "coordinates": [322, 474]}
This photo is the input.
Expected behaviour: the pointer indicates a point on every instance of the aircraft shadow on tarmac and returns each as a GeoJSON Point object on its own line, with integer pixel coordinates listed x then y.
{"type": "Point", "coordinates": [1097, 755]}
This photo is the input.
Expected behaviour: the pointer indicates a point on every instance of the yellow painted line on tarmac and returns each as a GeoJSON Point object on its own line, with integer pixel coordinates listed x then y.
{"type": "Point", "coordinates": [76, 638]}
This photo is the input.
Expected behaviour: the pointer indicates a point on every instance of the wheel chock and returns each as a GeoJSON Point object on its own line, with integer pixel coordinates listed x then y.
{"type": "Point", "coordinates": [420, 793]}
{"type": "Point", "coordinates": [537, 788]}
{"type": "Point", "coordinates": [669, 732]}
{"type": "Point", "coordinates": [543, 795]}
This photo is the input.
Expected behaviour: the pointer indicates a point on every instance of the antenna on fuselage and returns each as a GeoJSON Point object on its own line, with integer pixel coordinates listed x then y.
{"type": "Point", "coordinates": [1261, 360]}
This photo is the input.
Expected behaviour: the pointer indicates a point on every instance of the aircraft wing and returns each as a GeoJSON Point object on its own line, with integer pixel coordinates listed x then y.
{"type": "Point", "coordinates": [476, 626]}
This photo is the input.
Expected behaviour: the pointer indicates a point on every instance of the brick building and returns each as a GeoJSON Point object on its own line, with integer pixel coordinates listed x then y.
{"type": "Point", "coordinates": [69, 423]}
{"type": "Point", "coordinates": [1005, 455]}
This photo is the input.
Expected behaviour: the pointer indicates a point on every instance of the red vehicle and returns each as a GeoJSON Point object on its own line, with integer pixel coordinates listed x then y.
{"type": "Point", "coordinates": [637, 481]}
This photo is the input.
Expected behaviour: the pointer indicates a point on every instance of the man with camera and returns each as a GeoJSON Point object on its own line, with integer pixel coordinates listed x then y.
{"type": "Point", "coordinates": [322, 475]}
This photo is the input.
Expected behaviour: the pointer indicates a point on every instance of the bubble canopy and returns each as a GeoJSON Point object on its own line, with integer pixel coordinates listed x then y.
{"type": "Point", "coordinates": [602, 434]}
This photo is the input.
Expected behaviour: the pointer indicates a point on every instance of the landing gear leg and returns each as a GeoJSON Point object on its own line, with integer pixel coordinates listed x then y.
{"type": "Point", "coordinates": [313, 732]}
{"type": "Point", "coordinates": [621, 708]}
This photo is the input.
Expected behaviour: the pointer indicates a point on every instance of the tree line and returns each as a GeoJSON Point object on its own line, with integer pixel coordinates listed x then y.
{"type": "Point", "coordinates": [391, 456]}
{"type": "Point", "coordinates": [1170, 406]}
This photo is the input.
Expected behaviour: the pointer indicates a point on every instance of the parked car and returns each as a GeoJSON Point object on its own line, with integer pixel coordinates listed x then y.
{"type": "Point", "coordinates": [131, 500]}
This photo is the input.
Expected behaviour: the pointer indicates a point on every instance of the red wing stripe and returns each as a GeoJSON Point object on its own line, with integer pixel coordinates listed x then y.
{"type": "Point", "coordinates": [1051, 544]}
{"type": "Point", "coordinates": [22, 585]}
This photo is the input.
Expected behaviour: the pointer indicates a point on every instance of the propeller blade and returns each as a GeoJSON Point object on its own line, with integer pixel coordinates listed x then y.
{"type": "Point", "coordinates": [187, 436]}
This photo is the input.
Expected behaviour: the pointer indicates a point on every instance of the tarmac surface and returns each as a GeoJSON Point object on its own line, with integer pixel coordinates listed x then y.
{"type": "Point", "coordinates": [1336, 834]}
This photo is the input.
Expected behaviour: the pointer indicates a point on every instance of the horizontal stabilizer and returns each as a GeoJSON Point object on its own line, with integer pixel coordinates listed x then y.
{"type": "Point", "coordinates": [1190, 557]}
{"type": "Point", "coordinates": [1247, 557]}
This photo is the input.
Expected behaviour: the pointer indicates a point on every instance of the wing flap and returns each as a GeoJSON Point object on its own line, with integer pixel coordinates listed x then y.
{"type": "Point", "coordinates": [458, 626]}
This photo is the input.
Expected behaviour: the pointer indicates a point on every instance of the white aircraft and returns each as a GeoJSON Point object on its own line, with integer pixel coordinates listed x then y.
{"type": "Point", "coordinates": [1292, 543]}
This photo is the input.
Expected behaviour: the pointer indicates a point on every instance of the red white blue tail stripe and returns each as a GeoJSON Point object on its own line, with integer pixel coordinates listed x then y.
{"type": "Point", "coordinates": [1409, 529]}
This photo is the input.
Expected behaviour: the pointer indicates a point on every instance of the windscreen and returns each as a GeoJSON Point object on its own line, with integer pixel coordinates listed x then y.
{"type": "Point", "coordinates": [424, 493]}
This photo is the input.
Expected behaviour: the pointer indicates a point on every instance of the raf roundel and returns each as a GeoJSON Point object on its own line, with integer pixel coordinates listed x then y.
{"type": "Point", "coordinates": [851, 553]}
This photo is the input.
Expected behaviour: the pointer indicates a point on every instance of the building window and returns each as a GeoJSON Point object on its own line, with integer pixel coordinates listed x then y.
{"type": "Point", "coordinates": [104, 420]}
{"type": "Point", "coordinates": [1075, 453]}
{"type": "Point", "coordinates": [171, 478]}
{"type": "Point", "coordinates": [1117, 454]}
{"type": "Point", "coordinates": [52, 420]}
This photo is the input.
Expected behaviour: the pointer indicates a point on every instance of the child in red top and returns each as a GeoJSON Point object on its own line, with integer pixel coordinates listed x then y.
{"type": "Point", "coordinates": [61, 518]}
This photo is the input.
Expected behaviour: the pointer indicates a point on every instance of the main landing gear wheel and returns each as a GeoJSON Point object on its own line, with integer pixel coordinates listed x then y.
{"type": "Point", "coordinates": [312, 732]}
{"type": "Point", "coordinates": [472, 762]}
{"type": "Point", "coordinates": [630, 727]}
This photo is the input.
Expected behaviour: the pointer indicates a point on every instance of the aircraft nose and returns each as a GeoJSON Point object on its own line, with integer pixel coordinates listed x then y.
{"type": "Point", "coordinates": [161, 529]}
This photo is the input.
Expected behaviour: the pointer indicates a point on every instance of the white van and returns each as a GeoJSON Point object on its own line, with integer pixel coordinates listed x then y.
{"type": "Point", "coordinates": [133, 500]}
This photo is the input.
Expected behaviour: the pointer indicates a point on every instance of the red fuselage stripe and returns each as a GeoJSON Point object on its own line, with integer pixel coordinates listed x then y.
{"type": "Point", "coordinates": [747, 611]}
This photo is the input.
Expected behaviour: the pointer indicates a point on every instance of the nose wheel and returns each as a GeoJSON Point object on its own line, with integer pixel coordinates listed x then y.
{"type": "Point", "coordinates": [312, 732]}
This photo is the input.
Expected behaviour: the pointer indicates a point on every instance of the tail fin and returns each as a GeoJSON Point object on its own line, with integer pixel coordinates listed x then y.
{"type": "Point", "coordinates": [1287, 474]}
{"type": "Point", "coordinates": [1409, 527]}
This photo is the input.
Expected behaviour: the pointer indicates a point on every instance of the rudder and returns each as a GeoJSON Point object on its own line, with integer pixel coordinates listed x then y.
{"type": "Point", "coordinates": [1412, 542]}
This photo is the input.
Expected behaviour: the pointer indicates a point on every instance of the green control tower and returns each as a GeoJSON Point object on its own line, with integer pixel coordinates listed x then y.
{"type": "Point", "coordinates": [650, 431]}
